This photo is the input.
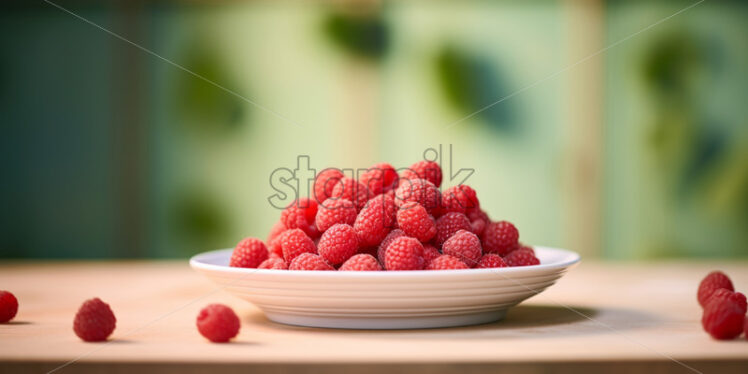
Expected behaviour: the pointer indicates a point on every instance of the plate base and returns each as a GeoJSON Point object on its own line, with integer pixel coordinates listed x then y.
{"type": "Point", "coordinates": [387, 323]}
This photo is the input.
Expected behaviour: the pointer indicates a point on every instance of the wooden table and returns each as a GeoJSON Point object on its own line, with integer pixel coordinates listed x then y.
{"type": "Point", "coordinates": [641, 317]}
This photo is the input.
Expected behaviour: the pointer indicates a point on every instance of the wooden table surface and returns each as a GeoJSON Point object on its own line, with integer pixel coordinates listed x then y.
{"type": "Point", "coordinates": [612, 317]}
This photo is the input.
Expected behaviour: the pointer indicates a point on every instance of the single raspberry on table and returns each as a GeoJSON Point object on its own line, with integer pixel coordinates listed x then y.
{"type": "Point", "coordinates": [94, 321]}
{"type": "Point", "coordinates": [416, 222]}
{"type": "Point", "coordinates": [448, 224]}
{"type": "Point", "coordinates": [325, 182]}
{"type": "Point", "coordinates": [521, 257]}
{"type": "Point", "coordinates": [724, 315]}
{"type": "Point", "coordinates": [404, 253]}
{"type": "Point", "coordinates": [218, 323]}
{"type": "Point", "coordinates": [379, 178]}
{"type": "Point", "coordinates": [465, 246]}
{"type": "Point", "coordinates": [461, 199]}
{"type": "Point", "coordinates": [712, 282]}
{"type": "Point", "coordinates": [309, 261]}
{"type": "Point", "coordinates": [418, 191]}
{"type": "Point", "coordinates": [361, 262]}
{"type": "Point", "coordinates": [8, 306]}
{"type": "Point", "coordinates": [275, 263]}
{"type": "Point", "coordinates": [500, 238]}
{"type": "Point", "coordinates": [300, 214]}
{"type": "Point", "coordinates": [338, 244]}
{"type": "Point", "coordinates": [295, 242]}
{"type": "Point", "coordinates": [430, 253]}
{"type": "Point", "coordinates": [394, 234]}
{"type": "Point", "coordinates": [375, 220]}
{"type": "Point", "coordinates": [446, 262]}
{"type": "Point", "coordinates": [333, 211]}
{"type": "Point", "coordinates": [249, 253]}
{"type": "Point", "coordinates": [428, 170]}
{"type": "Point", "coordinates": [353, 190]}
{"type": "Point", "coordinates": [491, 260]}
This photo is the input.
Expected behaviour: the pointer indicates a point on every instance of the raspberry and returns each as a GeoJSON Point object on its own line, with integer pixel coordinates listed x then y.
{"type": "Point", "coordinates": [333, 211]}
{"type": "Point", "coordinates": [448, 224]}
{"type": "Point", "coordinates": [274, 247]}
{"type": "Point", "coordinates": [446, 262]}
{"type": "Point", "coordinates": [325, 183]}
{"type": "Point", "coordinates": [338, 244]}
{"type": "Point", "coordinates": [712, 282]}
{"type": "Point", "coordinates": [500, 238]}
{"type": "Point", "coordinates": [418, 191]}
{"type": "Point", "coordinates": [428, 170]}
{"type": "Point", "coordinates": [295, 242]}
{"type": "Point", "coordinates": [379, 178]}
{"type": "Point", "coordinates": [430, 253]}
{"type": "Point", "coordinates": [461, 198]}
{"type": "Point", "coordinates": [276, 263]}
{"type": "Point", "coordinates": [724, 316]}
{"type": "Point", "coordinates": [521, 257]}
{"type": "Point", "coordinates": [465, 246]}
{"type": "Point", "coordinates": [94, 321]}
{"type": "Point", "coordinates": [491, 260]}
{"type": "Point", "coordinates": [218, 323]}
{"type": "Point", "coordinates": [375, 220]}
{"type": "Point", "coordinates": [416, 222]}
{"type": "Point", "coordinates": [249, 253]}
{"type": "Point", "coordinates": [277, 229]}
{"type": "Point", "coordinates": [8, 306]}
{"type": "Point", "coordinates": [352, 190]}
{"type": "Point", "coordinates": [300, 214]}
{"type": "Point", "coordinates": [404, 253]}
{"type": "Point", "coordinates": [526, 248]}
{"type": "Point", "coordinates": [478, 221]}
{"type": "Point", "coordinates": [309, 261]}
{"type": "Point", "coordinates": [361, 262]}
{"type": "Point", "coordinates": [394, 234]}
{"type": "Point", "coordinates": [745, 328]}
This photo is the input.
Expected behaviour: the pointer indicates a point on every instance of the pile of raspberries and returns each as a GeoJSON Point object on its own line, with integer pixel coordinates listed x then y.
{"type": "Point", "coordinates": [724, 308]}
{"type": "Point", "coordinates": [385, 221]}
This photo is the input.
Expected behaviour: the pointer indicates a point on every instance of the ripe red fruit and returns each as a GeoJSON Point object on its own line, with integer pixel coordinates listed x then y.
{"type": "Point", "coordinates": [218, 323]}
{"type": "Point", "coordinates": [379, 178]}
{"type": "Point", "coordinates": [333, 211]}
{"type": "Point", "coordinates": [712, 282]}
{"type": "Point", "coordinates": [418, 191]}
{"type": "Point", "coordinates": [394, 234]}
{"type": "Point", "coordinates": [428, 170]}
{"type": "Point", "coordinates": [478, 221]}
{"type": "Point", "coordinates": [521, 257]}
{"type": "Point", "coordinates": [350, 189]}
{"type": "Point", "coordinates": [94, 321]}
{"type": "Point", "coordinates": [491, 260]}
{"type": "Point", "coordinates": [325, 183]}
{"type": "Point", "coordinates": [446, 262]}
{"type": "Point", "coordinates": [275, 231]}
{"type": "Point", "coordinates": [416, 222]}
{"type": "Point", "coordinates": [249, 253]}
{"type": "Point", "coordinates": [300, 214]}
{"type": "Point", "coordinates": [461, 198]}
{"type": "Point", "coordinates": [404, 253]}
{"type": "Point", "coordinates": [375, 220]}
{"type": "Point", "coordinates": [295, 242]}
{"type": "Point", "coordinates": [500, 238]}
{"type": "Point", "coordinates": [448, 224]}
{"type": "Point", "coordinates": [8, 306]}
{"type": "Point", "coordinates": [275, 263]}
{"type": "Point", "coordinates": [430, 253]}
{"type": "Point", "coordinates": [361, 262]}
{"type": "Point", "coordinates": [724, 316]}
{"type": "Point", "coordinates": [309, 261]}
{"type": "Point", "coordinates": [338, 244]}
{"type": "Point", "coordinates": [465, 246]}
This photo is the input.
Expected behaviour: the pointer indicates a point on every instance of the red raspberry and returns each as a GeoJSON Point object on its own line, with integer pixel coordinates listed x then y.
{"type": "Point", "coordinates": [404, 253]}
{"type": "Point", "coordinates": [448, 224]}
{"type": "Point", "coordinates": [325, 183]}
{"type": "Point", "coordinates": [491, 260]}
{"type": "Point", "coordinates": [418, 191]}
{"type": "Point", "coordinates": [394, 234]}
{"type": "Point", "coordinates": [275, 263]}
{"type": "Point", "coordinates": [218, 323]}
{"type": "Point", "coordinates": [94, 321]}
{"type": "Point", "coordinates": [461, 198]}
{"type": "Point", "coordinates": [350, 189]}
{"type": "Point", "coordinates": [338, 244]}
{"type": "Point", "coordinates": [712, 282]}
{"type": "Point", "coordinates": [478, 221]}
{"type": "Point", "coordinates": [465, 246]}
{"type": "Point", "coordinates": [309, 261]}
{"type": "Point", "coordinates": [274, 247]}
{"type": "Point", "coordinates": [745, 328]}
{"type": "Point", "coordinates": [300, 215]}
{"type": "Point", "coordinates": [361, 262]}
{"type": "Point", "coordinates": [8, 306]}
{"type": "Point", "coordinates": [446, 262]}
{"type": "Point", "coordinates": [379, 178]}
{"type": "Point", "coordinates": [521, 257]}
{"type": "Point", "coordinates": [500, 238]}
{"type": "Point", "coordinates": [526, 248]}
{"type": "Point", "coordinates": [249, 253]}
{"type": "Point", "coordinates": [428, 170]}
{"type": "Point", "coordinates": [430, 253]}
{"type": "Point", "coordinates": [294, 242]}
{"type": "Point", "coordinates": [333, 211]}
{"type": "Point", "coordinates": [277, 229]}
{"type": "Point", "coordinates": [375, 220]}
{"type": "Point", "coordinates": [416, 222]}
{"type": "Point", "coordinates": [724, 316]}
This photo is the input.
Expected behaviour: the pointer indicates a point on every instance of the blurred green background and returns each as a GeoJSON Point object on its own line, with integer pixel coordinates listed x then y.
{"type": "Point", "coordinates": [616, 134]}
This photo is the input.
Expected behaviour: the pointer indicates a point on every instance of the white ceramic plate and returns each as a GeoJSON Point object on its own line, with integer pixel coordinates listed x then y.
{"type": "Point", "coordinates": [386, 299]}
